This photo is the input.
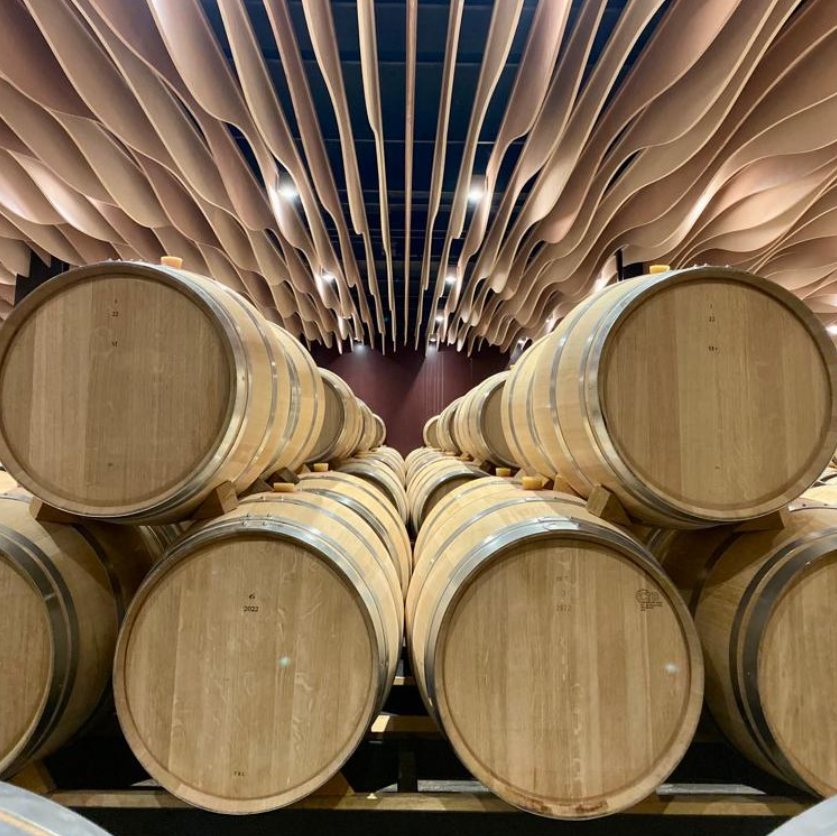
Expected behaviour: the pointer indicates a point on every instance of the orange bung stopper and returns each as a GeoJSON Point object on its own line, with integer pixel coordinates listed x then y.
{"type": "Point", "coordinates": [171, 261]}
{"type": "Point", "coordinates": [659, 268]}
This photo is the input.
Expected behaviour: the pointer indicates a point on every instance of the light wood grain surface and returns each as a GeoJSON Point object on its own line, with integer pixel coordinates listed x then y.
{"type": "Point", "coordinates": [565, 669]}
{"type": "Point", "coordinates": [252, 662]}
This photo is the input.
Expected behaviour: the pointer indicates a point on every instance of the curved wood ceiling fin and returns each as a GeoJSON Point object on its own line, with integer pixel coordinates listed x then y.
{"type": "Point", "coordinates": [531, 84]}
{"type": "Point", "coordinates": [372, 95]}
{"type": "Point", "coordinates": [15, 256]}
{"type": "Point", "coordinates": [73, 207]}
{"type": "Point", "coordinates": [409, 134]}
{"type": "Point", "coordinates": [313, 144]}
{"type": "Point", "coordinates": [501, 32]}
{"type": "Point", "coordinates": [19, 194]}
{"type": "Point", "coordinates": [550, 182]}
{"type": "Point", "coordinates": [544, 136]}
{"type": "Point", "coordinates": [45, 139]}
{"type": "Point", "coordinates": [324, 40]}
{"type": "Point", "coordinates": [95, 78]}
{"type": "Point", "coordinates": [269, 119]}
{"type": "Point", "coordinates": [439, 151]}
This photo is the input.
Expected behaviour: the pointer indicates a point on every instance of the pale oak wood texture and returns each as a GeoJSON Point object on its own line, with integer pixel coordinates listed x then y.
{"type": "Point", "coordinates": [659, 389]}
{"type": "Point", "coordinates": [564, 667]}
{"type": "Point", "coordinates": [761, 601]}
{"type": "Point", "coordinates": [259, 651]}
{"type": "Point", "coordinates": [140, 389]}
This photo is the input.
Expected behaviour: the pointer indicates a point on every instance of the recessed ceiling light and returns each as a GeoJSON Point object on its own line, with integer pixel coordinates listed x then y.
{"type": "Point", "coordinates": [439, 318]}
{"type": "Point", "coordinates": [475, 194]}
{"type": "Point", "coordinates": [450, 280]}
{"type": "Point", "coordinates": [832, 329]}
{"type": "Point", "coordinates": [287, 187]}
{"type": "Point", "coordinates": [329, 277]}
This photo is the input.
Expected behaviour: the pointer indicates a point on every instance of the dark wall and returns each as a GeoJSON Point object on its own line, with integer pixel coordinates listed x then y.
{"type": "Point", "coordinates": [407, 387]}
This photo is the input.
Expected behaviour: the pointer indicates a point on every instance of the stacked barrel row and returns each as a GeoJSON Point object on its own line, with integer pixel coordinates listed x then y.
{"type": "Point", "coordinates": [131, 391]}
{"type": "Point", "coordinates": [703, 402]}
{"type": "Point", "coordinates": [133, 394]}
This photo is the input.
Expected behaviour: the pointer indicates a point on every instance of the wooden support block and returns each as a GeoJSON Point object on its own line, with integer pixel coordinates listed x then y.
{"type": "Point", "coordinates": [561, 485]}
{"type": "Point", "coordinates": [222, 500]}
{"type": "Point", "coordinates": [286, 475]}
{"type": "Point", "coordinates": [46, 513]}
{"type": "Point", "coordinates": [769, 522]}
{"type": "Point", "coordinates": [259, 486]}
{"type": "Point", "coordinates": [604, 504]}
{"type": "Point", "coordinates": [34, 777]}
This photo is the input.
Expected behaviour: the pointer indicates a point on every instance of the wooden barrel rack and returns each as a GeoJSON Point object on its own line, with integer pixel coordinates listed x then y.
{"type": "Point", "coordinates": [405, 767]}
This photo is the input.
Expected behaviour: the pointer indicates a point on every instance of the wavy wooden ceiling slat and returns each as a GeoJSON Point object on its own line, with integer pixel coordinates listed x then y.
{"type": "Point", "coordinates": [262, 141]}
{"type": "Point", "coordinates": [324, 40]}
{"type": "Point", "coordinates": [409, 136]}
{"type": "Point", "coordinates": [439, 150]}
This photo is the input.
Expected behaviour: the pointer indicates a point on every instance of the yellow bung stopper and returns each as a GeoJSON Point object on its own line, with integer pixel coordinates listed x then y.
{"type": "Point", "coordinates": [320, 467]}
{"type": "Point", "coordinates": [659, 268]}
{"type": "Point", "coordinates": [503, 471]}
{"type": "Point", "coordinates": [532, 483]}
{"type": "Point", "coordinates": [283, 487]}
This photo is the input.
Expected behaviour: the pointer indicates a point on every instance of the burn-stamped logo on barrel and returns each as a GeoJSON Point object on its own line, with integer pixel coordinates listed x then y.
{"type": "Point", "coordinates": [648, 599]}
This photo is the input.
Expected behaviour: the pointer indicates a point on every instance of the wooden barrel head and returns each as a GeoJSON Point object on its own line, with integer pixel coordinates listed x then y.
{"type": "Point", "coordinates": [797, 674]}
{"type": "Point", "coordinates": [232, 686]}
{"type": "Point", "coordinates": [112, 384]}
{"type": "Point", "coordinates": [716, 393]}
{"type": "Point", "coordinates": [566, 680]}
{"type": "Point", "coordinates": [25, 660]}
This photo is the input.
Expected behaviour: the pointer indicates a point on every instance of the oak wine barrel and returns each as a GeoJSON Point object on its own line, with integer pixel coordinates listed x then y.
{"type": "Point", "coordinates": [22, 813]}
{"type": "Point", "coordinates": [478, 423]}
{"type": "Point", "coordinates": [369, 503]}
{"type": "Point", "coordinates": [552, 649]}
{"type": "Point", "coordinates": [445, 429]}
{"type": "Point", "coordinates": [391, 458]}
{"type": "Point", "coordinates": [258, 651]}
{"type": "Point", "coordinates": [131, 391]}
{"type": "Point", "coordinates": [763, 605]}
{"type": "Point", "coordinates": [418, 458]}
{"type": "Point", "coordinates": [63, 592]}
{"type": "Point", "coordinates": [429, 434]}
{"type": "Point", "coordinates": [380, 431]}
{"type": "Point", "coordinates": [381, 477]}
{"type": "Point", "coordinates": [673, 391]}
{"type": "Point", "coordinates": [342, 425]}
{"type": "Point", "coordinates": [369, 435]}
{"type": "Point", "coordinates": [828, 475]}
{"type": "Point", "coordinates": [435, 480]}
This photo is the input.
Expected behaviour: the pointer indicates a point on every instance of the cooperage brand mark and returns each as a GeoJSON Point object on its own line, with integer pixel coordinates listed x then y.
{"type": "Point", "coordinates": [648, 599]}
